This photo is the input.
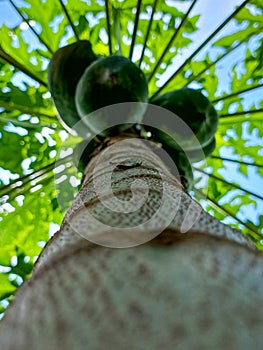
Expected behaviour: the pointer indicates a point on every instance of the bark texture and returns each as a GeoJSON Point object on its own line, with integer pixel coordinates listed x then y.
{"type": "Point", "coordinates": [201, 289]}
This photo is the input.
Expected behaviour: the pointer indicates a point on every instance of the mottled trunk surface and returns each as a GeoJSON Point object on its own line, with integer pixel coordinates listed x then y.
{"type": "Point", "coordinates": [196, 290]}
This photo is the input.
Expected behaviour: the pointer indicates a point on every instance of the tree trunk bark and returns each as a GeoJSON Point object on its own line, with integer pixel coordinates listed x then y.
{"type": "Point", "coordinates": [196, 285]}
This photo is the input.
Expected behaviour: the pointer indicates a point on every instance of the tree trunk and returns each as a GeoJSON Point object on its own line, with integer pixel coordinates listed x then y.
{"type": "Point", "coordinates": [196, 285]}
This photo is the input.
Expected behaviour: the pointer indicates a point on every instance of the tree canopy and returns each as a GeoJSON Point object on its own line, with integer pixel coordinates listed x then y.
{"type": "Point", "coordinates": [175, 48]}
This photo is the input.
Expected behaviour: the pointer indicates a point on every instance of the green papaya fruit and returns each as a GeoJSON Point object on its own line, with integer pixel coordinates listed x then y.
{"type": "Point", "coordinates": [178, 156]}
{"type": "Point", "coordinates": [193, 108]}
{"type": "Point", "coordinates": [106, 82]}
{"type": "Point", "coordinates": [207, 150]}
{"type": "Point", "coordinates": [83, 153]}
{"type": "Point", "coordinates": [65, 69]}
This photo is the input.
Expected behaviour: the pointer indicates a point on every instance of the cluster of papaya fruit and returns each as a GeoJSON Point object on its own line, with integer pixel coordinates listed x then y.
{"type": "Point", "coordinates": [82, 83]}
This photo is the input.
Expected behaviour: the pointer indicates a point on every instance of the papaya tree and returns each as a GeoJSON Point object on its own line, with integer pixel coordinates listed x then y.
{"type": "Point", "coordinates": [104, 123]}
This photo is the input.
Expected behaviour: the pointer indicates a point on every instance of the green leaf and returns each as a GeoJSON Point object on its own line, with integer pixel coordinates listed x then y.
{"type": "Point", "coordinates": [6, 287]}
